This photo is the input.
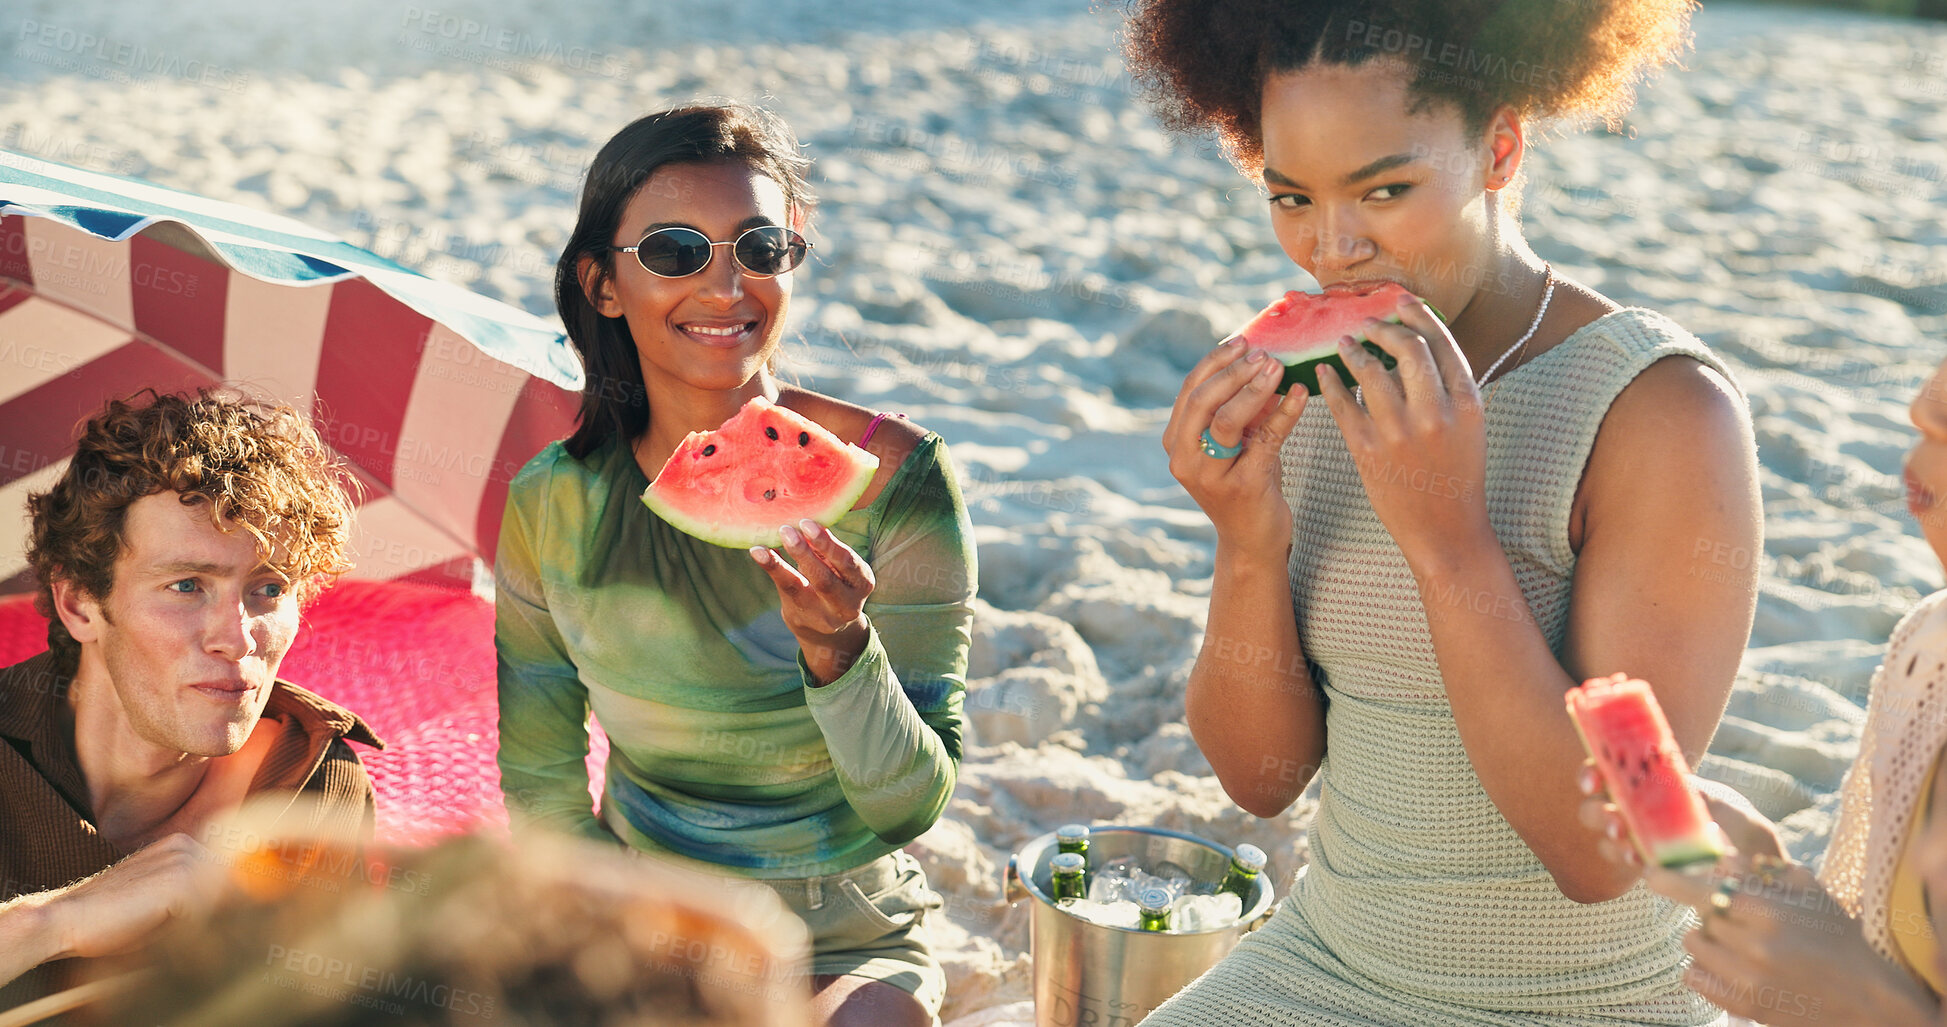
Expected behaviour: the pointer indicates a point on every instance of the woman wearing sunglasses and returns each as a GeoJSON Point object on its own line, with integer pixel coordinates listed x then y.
{"type": "Point", "coordinates": [1416, 563]}
{"type": "Point", "coordinates": [791, 717]}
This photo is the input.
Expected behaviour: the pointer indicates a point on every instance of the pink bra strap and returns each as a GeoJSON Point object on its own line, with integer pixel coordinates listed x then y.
{"type": "Point", "coordinates": [873, 426]}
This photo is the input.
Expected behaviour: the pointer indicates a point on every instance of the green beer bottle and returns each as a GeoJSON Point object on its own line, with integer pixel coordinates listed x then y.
{"type": "Point", "coordinates": [1068, 879]}
{"type": "Point", "coordinates": [1153, 909]}
{"type": "Point", "coordinates": [1072, 838]}
{"type": "Point", "coordinates": [1244, 868]}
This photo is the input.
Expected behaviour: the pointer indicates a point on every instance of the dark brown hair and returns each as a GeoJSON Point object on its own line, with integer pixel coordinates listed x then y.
{"type": "Point", "coordinates": [613, 399]}
{"type": "Point", "coordinates": [1204, 62]}
{"type": "Point", "coordinates": [252, 466]}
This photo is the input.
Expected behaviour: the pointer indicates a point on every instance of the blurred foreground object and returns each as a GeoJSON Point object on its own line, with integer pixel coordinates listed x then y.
{"type": "Point", "coordinates": [550, 931]}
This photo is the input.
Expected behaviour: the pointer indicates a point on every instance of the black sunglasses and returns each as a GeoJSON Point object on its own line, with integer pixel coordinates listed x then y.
{"type": "Point", "coordinates": [763, 252]}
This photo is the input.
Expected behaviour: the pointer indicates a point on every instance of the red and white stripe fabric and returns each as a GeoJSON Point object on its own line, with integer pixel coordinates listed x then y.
{"type": "Point", "coordinates": [433, 426]}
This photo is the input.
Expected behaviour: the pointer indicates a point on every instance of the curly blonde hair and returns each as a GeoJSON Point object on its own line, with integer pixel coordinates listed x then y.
{"type": "Point", "coordinates": [1203, 63]}
{"type": "Point", "coordinates": [254, 466]}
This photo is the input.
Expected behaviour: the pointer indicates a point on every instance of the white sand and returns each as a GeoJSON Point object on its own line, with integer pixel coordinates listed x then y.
{"type": "Point", "coordinates": [1013, 253]}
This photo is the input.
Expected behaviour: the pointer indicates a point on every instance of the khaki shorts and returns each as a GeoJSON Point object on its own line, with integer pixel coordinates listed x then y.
{"type": "Point", "coordinates": [867, 922]}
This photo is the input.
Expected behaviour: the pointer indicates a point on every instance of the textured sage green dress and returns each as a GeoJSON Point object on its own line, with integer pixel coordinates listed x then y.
{"type": "Point", "coordinates": [1421, 905]}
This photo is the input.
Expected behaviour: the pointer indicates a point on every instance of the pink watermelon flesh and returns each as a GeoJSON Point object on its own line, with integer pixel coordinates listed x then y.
{"type": "Point", "coordinates": [1302, 329]}
{"type": "Point", "coordinates": [1624, 730]}
{"type": "Point", "coordinates": [765, 467]}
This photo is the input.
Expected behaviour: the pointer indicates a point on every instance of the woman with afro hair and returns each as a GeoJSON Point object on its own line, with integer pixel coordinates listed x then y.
{"type": "Point", "coordinates": [1413, 566]}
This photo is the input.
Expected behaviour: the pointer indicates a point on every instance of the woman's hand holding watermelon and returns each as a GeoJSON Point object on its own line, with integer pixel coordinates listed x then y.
{"type": "Point", "coordinates": [1744, 830]}
{"type": "Point", "coordinates": [1229, 394]}
{"type": "Point", "coordinates": [823, 596]}
{"type": "Point", "coordinates": [1420, 441]}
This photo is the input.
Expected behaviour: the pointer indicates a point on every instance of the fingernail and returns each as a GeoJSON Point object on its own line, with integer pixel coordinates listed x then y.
{"type": "Point", "coordinates": [760, 554]}
{"type": "Point", "coordinates": [791, 536]}
{"type": "Point", "coordinates": [1613, 830]}
{"type": "Point", "coordinates": [1254, 356]}
{"type": "Point", "coordinates": [1346, 344]}
{"type": "Point", "coordinates": [809, 527]}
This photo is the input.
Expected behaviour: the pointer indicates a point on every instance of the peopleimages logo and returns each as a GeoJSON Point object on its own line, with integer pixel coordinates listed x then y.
{"type": "Point", "coordinates": [366, 985]}
{"type": "Point", "coordinates": [1470, 65]}
{"type": "Point", "coordinates": [77, 47]}
{"type": "Point", "coordinates": [457, 31]}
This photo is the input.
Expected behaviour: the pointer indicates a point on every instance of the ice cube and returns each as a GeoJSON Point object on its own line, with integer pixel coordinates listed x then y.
{"type": "Point", "coordinates": [1189, 914]}
{"type": "Point", "coordinates": [1179, 879]}
{"type": "Point", "coordinates": [1121, 913]}
{"type": "Point", "coordinates": [1106, 888]}
{"type": "Point", "coordinates": [1204, 912]}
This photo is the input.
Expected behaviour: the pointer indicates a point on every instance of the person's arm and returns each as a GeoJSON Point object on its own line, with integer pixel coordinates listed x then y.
{"type": "Point", "coordinates": [1251, 703]}
{"type": "Point", "coordinates": [111, 912]}
{"type": "Point", "coordinates": [891, 712]}
{"type": "Point", "coordinates": [27, 937]}
{"type": "Point", "coordinates": [543, 704]}
{"type": "Point", "coordinates": [1664, 586]}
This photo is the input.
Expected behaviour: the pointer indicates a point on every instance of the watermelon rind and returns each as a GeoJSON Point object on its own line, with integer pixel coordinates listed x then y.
{"type": "Point", "coordinates": [1673, 851]}
{"type": "Point", "coordinates": [1301, 366]}
{"type": "Point", "coordinates": [1676, 855]}
{"type": "Point", "coordinates": [731, 537]}
{"type": "Point", "coordinates": [1304, 369]}
{"type": "Point", "coordinates": [844, 494]}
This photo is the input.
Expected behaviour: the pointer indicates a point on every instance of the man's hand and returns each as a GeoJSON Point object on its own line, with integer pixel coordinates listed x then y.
{"type": "Point", "coordinates": [113, 911]}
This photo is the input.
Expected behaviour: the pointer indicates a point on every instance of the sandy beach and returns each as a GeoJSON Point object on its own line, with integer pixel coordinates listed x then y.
{"type": "Point", "coordinates": [1012, 252]}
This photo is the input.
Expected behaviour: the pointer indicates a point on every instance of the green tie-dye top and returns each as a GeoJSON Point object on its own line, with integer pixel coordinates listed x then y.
{"type": "Point", "coordinates": [720, 748]}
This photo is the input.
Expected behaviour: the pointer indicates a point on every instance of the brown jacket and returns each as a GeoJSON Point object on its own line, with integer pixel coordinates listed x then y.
{"type": "Point", "coordinates": [48, 837]}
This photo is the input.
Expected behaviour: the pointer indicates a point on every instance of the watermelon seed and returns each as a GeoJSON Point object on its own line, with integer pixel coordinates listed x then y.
{"type": "Point", "coordinates": [804, 438]}
{"type": "Point", "coordinates": [772, 432]}
{"type": "Point", "coordinates": [710, 449]}
{"type": "Point", "coordinates": [770, 493]}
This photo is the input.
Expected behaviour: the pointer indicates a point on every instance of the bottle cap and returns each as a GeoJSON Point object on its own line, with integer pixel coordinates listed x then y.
{"type": "Point", "coordinates": [1153, 900]}
{"type": "Point", "coordinates": [1250, 856]}
{"type": "Point", "coordinates": [1071, 832]}
{"type": "Point", "coordinates": [1067, 863]}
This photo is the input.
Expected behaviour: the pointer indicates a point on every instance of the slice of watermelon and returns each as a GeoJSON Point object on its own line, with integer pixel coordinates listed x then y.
{"type": "Point", "coordinates": [1624, 730]}
{"type": "Point", "coordinates": [1302, 329]}
{"type": "Point", "coordinates": [766, 466]}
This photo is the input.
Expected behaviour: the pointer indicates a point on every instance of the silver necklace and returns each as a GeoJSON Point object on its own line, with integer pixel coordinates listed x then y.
{"type": "Point", "coordinates": [1547, 294]}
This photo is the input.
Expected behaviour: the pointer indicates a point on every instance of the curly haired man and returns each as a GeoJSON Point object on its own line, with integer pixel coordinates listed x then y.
{"type": "Point", "coordinates": [172, 558]}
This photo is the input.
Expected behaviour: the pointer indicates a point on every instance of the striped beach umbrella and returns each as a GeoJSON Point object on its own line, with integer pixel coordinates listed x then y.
{"type": "Point", "coordinates": [435, 395]}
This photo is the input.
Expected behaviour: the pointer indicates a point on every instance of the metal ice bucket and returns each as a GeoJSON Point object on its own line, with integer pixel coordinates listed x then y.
{"type": "Point", "coordinates": [1088, 974]}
